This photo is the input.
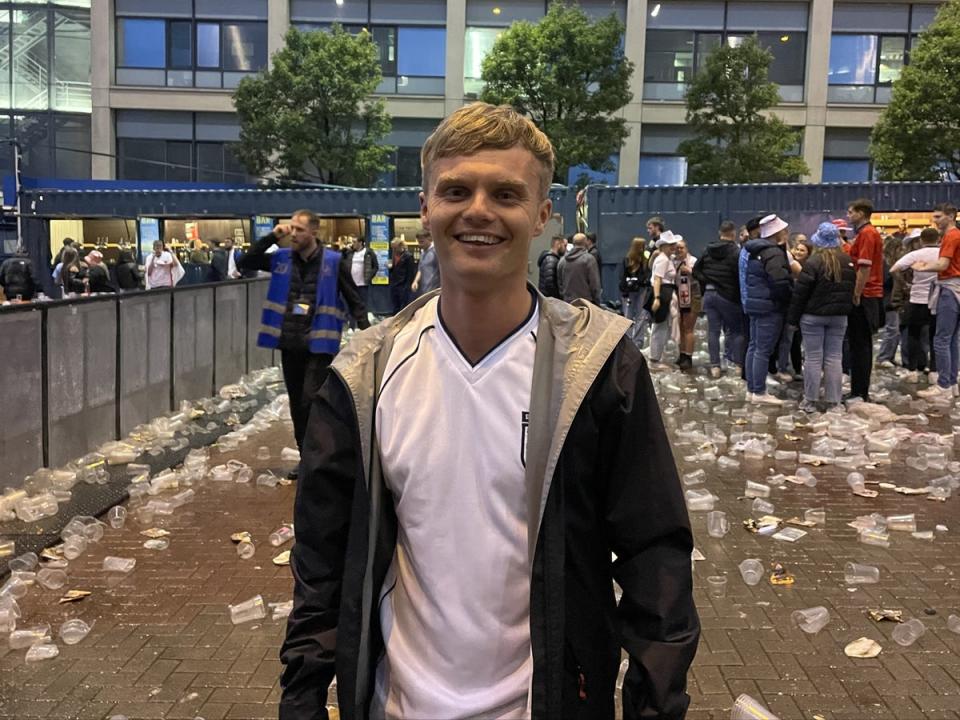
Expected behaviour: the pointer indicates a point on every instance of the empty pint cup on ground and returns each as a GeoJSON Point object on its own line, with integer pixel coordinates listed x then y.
{"type": "Point", "coordinates": [252, 609]}
{"type": "Point", "coordinates": [856, 574]}
{"type": "Point", "coordinates": [281, 535]}
{"type": "Point", "coordinates": [953, 624]}
{"type": "Point", "coordinates": [908, 632]}
{"type": "Point", "coordinates": [756, 490]}
{"type": "Point", "coordinates": [856, 482]}
{"type": "Point", "coordinates": [118, 564]}
{"type": "Point", "coordinates": [746, 708]}
{"type": "Point", "coordinates": [246, 549]}
{"type": "Point", "coordinates": [74, 546]}
{"type": "Point", "coordinates": [263, 453]}
{"type": "Point", "coordinates": [73, 631]}
{"type": "Point", "coordinates": [812, 620]}
{"type": "Point", "coordinates": [717, 585]}
{"type": "Point", "coordinates": [717, 523]}
{"type": "Point", "coordinates": [51, 578]}
{"type": "Point", "coordinates": [751, 570]}
{"type": "Point", "coordinates": [903, 523]}
{"type": "Point", "coordinates": [117, 516]}
{"type": "Point", "coordinates": [762, 507]}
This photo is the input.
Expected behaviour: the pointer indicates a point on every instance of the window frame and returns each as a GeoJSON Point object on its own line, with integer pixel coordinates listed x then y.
{"type": "Point", "coordinates": [908, 40]}
{"type": "Point", "coordinates": [118, 37]}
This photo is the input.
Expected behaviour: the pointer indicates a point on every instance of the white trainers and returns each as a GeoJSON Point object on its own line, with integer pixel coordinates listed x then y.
{"type": "Point", "coordinates": [885, 364]}
{"type": "Point", "coordinates": [912, 377]}
{"type": "Point", "coordinates": [714, 372]}
{"type": "Point", "coordinates": [932, 377]}
{"type": "Point", "coordinates": [935, 392]}
{"type": "Point", "coordinates": [766, 399]}
{"type": "Point", "coordinates": [784, 377]}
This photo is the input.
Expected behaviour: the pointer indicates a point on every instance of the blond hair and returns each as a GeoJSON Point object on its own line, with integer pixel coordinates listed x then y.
{"type": "Point", "coordinates": [482, 126]}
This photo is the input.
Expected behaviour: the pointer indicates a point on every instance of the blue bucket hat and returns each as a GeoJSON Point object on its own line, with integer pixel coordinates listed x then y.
{"type": "Point", "coordinates": [826, 236]}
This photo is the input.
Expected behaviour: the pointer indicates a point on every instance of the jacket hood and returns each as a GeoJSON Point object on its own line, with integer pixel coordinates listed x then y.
{"type": "Point", "coordinates": [718, 249]}
{"type": "Point", "coordinates": [758, 244]}
{"type": "Point", "coordinates": [575, 253]}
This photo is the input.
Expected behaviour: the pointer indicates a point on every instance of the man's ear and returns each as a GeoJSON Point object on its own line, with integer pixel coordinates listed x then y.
{"type": "Point", "coordinates": [543, 215]}
{"type": "Point", "coordinates": [424, 211]}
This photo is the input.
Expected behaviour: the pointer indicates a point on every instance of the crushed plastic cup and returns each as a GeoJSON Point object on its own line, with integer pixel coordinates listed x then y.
{"type": "Point", "coordinates": [694, 478]}
{"type": "Point", "coordinates": [751, 570]}
{"type": "Point", "coordinates": [252, 609]}
{"type": "Point", "coordinates": [856, 482]}
{"type": "Point", "coordinates": [812, 620]}
{"type": "Point", "coordinates": [281, 610]}
{"type": "Point", "coordinates": [74, 546]}
{"type": "Point", "coordinates": [907, 633]}
{"type": "Point", "coordinates": [183, 497]}
{"type": "Point", "coordinates": [699, 500]}
{"type": "Point", "coordinates": [746, 708]}
{"type": "Point", "coordinates": [878, 538]}
{"type": "Point", "coordinates": [20, 639]}
{"type": "Point", "coordinates": [807, 477]}
{"type": "Point", "coordinates": [246, 549]}
{"type": "Point", "coordinates": [267, 479]}
{"type": "Point", "coordinates": [51, 579]}
{"type": "Point", "coordinates": [118, 564]}
{"type": "Point", "coordinates": [244, 475]}
{"type": "Point", "coordinates": [116, 516]}
{"type": "Point", "coordinates": [953, 624]}
{"type": "Point", "coordinates": [23, 563]}
{"type": "Point", "coordinates": [73, 631]}
{"type": "Point", "coordinates": [290, 455]}
{"type": "Point", "coordinates": [757, 490]}
{"type": "Point", "coordinates": [282, 534]}
{"type": "Point", "coordinates": [717, 524]}
{"type": "Point", "coordinates": [815, 515]}
{"type": "Point", "coordinates": [717, 586]}
{"type": "Point", "coordinates": [41, 651]}
{"type": "Point", "coordinates": [8, 620]}
{"type": "Point", "coordinates": [762, 507]}
{"type": "Point", "coordinates": [904, 523]}
{"type": "Point", "coordinates": [857, 574]}
{"type": "Point", "coordinates": [263, 453]}
{"type": "Point", "coordinates": [14, 588]}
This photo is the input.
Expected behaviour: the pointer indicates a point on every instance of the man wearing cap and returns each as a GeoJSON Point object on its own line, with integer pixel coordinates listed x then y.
{"type": "Point", "coordinates": [765, 288]}
{"type": "Point", "coordinates": [924, 248]}
{"type": "Point", "coordinates": [867, 254]}
{"type": "Point", "coordinates": [664, 275]}
{"type": "Point", "coordinates": [844, 231]}
{"type": "Point", "coordinates": [947, 304]}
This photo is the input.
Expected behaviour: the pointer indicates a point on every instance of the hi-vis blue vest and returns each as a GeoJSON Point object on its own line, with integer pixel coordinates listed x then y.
{"type": "Point", "coordinates": [328, 315]}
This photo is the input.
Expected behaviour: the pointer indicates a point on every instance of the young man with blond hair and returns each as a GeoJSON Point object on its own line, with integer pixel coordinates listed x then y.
{"type": "Point", "coordinates": [470, 575]}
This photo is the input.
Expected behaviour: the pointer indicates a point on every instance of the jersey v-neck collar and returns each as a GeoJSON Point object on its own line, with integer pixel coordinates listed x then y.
{"type": "Point", "coordinates": [518, 331]}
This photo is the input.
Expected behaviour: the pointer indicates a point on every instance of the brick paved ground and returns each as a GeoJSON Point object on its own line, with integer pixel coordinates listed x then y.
{"type": "Point", "coordinates": [163, 645]}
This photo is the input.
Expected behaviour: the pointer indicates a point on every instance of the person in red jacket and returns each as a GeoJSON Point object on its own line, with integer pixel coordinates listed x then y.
{"type": "Point", "coordinates": [866, 318]}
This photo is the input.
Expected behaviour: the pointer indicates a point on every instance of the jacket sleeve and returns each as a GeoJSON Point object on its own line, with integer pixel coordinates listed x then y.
{"type": "Point", "coordinates": [328, 471]}
{"type": "Point", "coordinates": [256, 258]}
{"type": "Point", "coordinates": [351, 296]}
{"type": "Point", "coordinates": [698, 273]}
{"type": "Point", "coordinates": [594, 276]}
{"type": "Point", "coordinates": [648, 529]}
{"type": "Point", "coordinates": [802, 291]}
{"type": "Point", "coordinates": [777, 267]}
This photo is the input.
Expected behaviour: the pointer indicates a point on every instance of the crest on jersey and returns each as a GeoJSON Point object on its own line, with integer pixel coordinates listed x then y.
{"type": "Point", "coordinates": [524, 425]}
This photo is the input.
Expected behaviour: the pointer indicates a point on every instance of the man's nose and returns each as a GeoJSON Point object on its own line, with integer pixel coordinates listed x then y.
{"type": "Point", "coordinates": [479, 208]}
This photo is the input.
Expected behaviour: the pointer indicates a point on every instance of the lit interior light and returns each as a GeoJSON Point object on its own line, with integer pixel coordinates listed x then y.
{"type": "Point", "coordinates": [339, 3]}
{"type": "Point", "coordinates": [655, 11]}
{"type": "Point", "coordinates": [496, 11]}
{"type": "Point", "coordinates": [784, 38]}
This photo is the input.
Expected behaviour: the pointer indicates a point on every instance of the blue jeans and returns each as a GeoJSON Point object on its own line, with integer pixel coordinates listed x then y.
{"type": "Point", "coordinates": [764, 333]}
{"type": "Point", "coordinates": [633, 310]}
{"type": "Point", "coordinates": [783, 350]}
{"type": "Point", "coordinates": [889, 337]}
{"type": "Point", "coordinates": [823, 355]}
{"type": "Point", "coordinates": [945, 341]}
{"type": "Point", "coordinates": [727, 316]}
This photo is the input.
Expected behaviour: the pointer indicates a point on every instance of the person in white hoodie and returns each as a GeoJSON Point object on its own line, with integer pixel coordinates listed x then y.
{"type": "Point", "coordinates": [919, 321]}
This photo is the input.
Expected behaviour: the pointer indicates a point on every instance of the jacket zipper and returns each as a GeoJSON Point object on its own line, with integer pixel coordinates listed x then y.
{"type": "Point", "coordinates": [581, 684]}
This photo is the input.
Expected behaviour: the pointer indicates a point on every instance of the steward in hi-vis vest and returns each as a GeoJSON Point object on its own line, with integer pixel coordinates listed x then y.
{"type": "Point", "coordinates": [309, 296]}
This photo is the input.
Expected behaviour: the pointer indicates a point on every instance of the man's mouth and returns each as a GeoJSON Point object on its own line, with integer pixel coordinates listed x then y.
{"type": "Point", "coordinates": [478, 239]}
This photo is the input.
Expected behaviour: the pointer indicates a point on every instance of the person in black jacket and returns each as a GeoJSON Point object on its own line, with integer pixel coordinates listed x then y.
{"type": "Point", "coordinates": [471, 576]}
{"type": "Point", "coordinates": [17, 278]}
{"type": "Point", "coordinates": [822, 299]}
{"type": "Point", "coordinates": [548, 282]}
{"type": "Point", "coordinates": [635, 289]}
{"type": "Point", "coordinates": [718, 273]}
{"type": "Point", "coordinates": [403, 269]}
{"type": "Point", "coordinates": [73, 278]}
{"type": "Point", "coordinates": [128, 272]}
{"type": "Point", "coordinates": [97, 273]}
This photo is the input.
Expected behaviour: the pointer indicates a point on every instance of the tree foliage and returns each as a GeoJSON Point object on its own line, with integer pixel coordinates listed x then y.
{"type": "Point", "coordinates": [312, 117]}
{"type": "Point", "coordinates": [733, 140]}
{"type": "Point", "coordinates": [918, 134]}
{"type": "Point", "coordinates": [569, 75]}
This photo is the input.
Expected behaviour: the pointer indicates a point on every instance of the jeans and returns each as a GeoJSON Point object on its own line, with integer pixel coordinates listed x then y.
{"type": "Point", "coordinates": [890, 338]}
{"type": "Point", "coordinates": [633, 310]}
{"type": "Point", "coordinates": [727, 316]}
{"type": "Point", "coordinates": [783, 350]}
{"type": "Point", "coordinates": [945, 341]}
{"type": "Point", "coordinates": [764, 333]}
{"type": "Point", "coordinates": [863, 323]}
{"type": "Point", "coordinates": [823, 353]}
{"type": "Point", "coordinates": [659, 336]}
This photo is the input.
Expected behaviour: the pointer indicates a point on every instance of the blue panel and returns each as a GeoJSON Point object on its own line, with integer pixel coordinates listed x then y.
{"type": "Point", "coordinates": [853, 59]}
{"type": "Point", "coordinates": [421, 51]}
{"type": "Point", "coordinates": [143, 43]}
{"type": "Point", "coordinates": [846, 170]}
{"type": "Point", "coordinates": [662, 170]}
{"type": "Point", "coordinates": [208, 45]}
{"type": "Point", "coordinates": [593, 176]}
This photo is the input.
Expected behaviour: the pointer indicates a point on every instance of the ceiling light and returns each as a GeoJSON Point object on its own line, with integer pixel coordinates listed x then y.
{"type": "Point", "coordinates": [339, 3]}
{"type": "Point", "coordinates": [655, 11]}
{"type": "Point", "coordinates": [496, 11]}
{"type": "Point", "coordinates": [784, 38]}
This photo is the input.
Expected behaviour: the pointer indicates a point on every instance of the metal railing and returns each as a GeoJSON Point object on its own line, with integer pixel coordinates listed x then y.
{"type": "Point", "coordinates": [76, 373]}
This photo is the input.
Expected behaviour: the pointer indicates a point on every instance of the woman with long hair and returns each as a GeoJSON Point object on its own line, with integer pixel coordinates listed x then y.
{"type": "Point", "coordinates": [893, 250]}
{"type": "Point", "coordinates": [822, 299]}
{"type": "Point", "coordinates": [72, 278]}
{"type": "Point", "coordinates": [634, 288]}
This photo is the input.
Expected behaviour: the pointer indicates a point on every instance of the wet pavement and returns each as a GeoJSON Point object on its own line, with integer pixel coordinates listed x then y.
{"type": "Point", "coordinates": [162, 644]}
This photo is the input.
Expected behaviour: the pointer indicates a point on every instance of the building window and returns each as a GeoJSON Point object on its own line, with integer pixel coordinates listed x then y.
{"type": "Point", "coordinates": [478, 43]}
{"type": "Point", "coordinates": [846, 170]}
{"type": "Point", "coordinates": [663, 170]}
{"type": "Point", "coordinates": [52, 144]}
{"type": "Point", "coordinates": [188, 53]}
{"type": "Point", "coordinates": [846, 155]}
{"type": "Point", "coordinates": [583, 175]}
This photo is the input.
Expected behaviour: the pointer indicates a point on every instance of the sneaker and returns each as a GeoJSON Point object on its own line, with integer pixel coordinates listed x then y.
{"type": "Point", "coordinates": [806, 406]}
{"type": "Point", "coordinates": [293, 474]}
{"type": "Point", "coordinates": [885, 364]}
{"type": "Point", "coordinates": [912, 377]}
{"type": "Point", "coordinates": [766, 399]}
{"type": "Point", "coordinates": [932, 377]}
{"type": "Point", "coordinates": [784, 377]}
{"type": "Point", "coordinates": [714, 372]}
{"type": "Point", "coordinates": [935, 392]}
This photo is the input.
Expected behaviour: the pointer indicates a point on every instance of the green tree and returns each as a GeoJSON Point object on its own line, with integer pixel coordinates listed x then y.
{"type": "Point", "coordinates": [733, 140]}
{"type": "Point", "coordinates": [312, 117]}
{"type": "Point", "coordinates": [918, 134]}
{"type": "Point", "coordinates": [569, 75]}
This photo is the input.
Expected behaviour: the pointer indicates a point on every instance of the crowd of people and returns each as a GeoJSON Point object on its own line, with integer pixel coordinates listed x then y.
{"type": "Point", "coordinates": [788, 307]}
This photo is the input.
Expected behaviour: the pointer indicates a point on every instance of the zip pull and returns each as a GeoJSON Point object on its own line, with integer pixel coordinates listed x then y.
{"type": "Point", "coordinates": [582, 686]}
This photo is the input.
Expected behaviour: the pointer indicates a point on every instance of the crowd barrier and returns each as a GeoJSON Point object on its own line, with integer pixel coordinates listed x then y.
{"type": "Point", "coordinates": [76, 373]}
